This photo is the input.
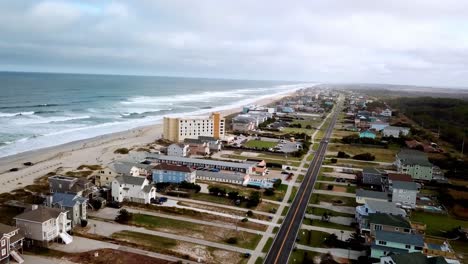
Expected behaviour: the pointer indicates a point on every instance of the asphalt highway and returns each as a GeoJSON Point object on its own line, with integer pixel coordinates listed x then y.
{"type": "Point", "coordinates": [286, 238]}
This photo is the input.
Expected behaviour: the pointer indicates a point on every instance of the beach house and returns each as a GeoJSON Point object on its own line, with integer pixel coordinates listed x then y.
{"type": "Point", "coordinates": [372, 176]}
{"type": "Point", "coordinates": [365, 195]}
{"type": "Point", "coordinates": [43, 225]}
{"type": "Point", "coordinates": [414, 163]}
{"type": "Point", "coordinates": [164, 172]}
{"type": "Point", "coordinates": [74, 204]}
{"type": "Point", "coordinates": [132, 189]}
{"type": "Point", "coordinates": [372, 207]}
{"type": "Point", "coordinates": [395, 131]}
{"type": "Point", "coordinates": [178, 150]}
{"type": "Point", "coordinates": [11, 244]}
{"type": "Point", "coordinates": [404, 193]}
{"type": "Point", "coordinates": [389, 243]}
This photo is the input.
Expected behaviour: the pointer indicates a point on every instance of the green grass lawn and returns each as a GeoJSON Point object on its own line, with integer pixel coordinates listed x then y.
{"type": "Point", "coordinates": [321, 211]}
{"type": "Point", "coordinates": [437, 223]}
{"type": "Point", "coordinates": [267, 245]}
{"type": "Point", "coordinates": [310, 157]}
{"type": "Point", "coordinates": [154, 243]}
{"type": "Point", "coordinates": [300, 178]}
{"type": "Point", "coordinates": [345, 201]}
{"type": "Point", "coordinates": [260, 144]}
{"type": "Point", "coordinates": [285, 211]}
{"type": "Point", "coordinates": [275, 230]}
{"type": "Point", "coordinates": [259, 260]}
{"type": "Point", "coordinates": [381, 154]}
{"type": "Point", "coordinates": [315, 222]}
{"type": "Point", "coordinates": [293, 194]}
{"type": "Point", "coordinates": [245, 240]}
{"type": "Point", "coordinates": [312, 238]}
{"type": "Point", "coordinates": [299, 256]}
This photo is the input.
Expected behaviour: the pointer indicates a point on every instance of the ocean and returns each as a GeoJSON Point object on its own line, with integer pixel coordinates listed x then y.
{"type": "Point", "coordinates": [40, 110]}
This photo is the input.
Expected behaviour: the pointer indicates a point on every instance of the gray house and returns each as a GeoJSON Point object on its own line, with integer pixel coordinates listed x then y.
{"type": "Point", "coordinates": [178, 150]}
{"type": "Point", "coordinates": [404, 193]}
{"type": "Point", "coordinates": [65, 184]}
{"type": "Point", "coordinates": [372, 176]}
{"type": "Point", "coordinates": [74, 204]}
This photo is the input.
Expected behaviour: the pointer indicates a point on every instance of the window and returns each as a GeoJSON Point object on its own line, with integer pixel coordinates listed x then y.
{"type": "Point", "coordinates": [382, 242]}
{"type": "Point", "coordinates": [408, 246]}
{"type": "Point", "coordinates": [378, 227]}
{"type": "Point", "coordinates": [418, 248]}
{"type": "Point", "coordinates": [3, 252]}
{"type": "Point", "coordinates": [3, 243]}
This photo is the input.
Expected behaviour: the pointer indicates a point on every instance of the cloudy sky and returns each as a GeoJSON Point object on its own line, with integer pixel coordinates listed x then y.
{"type": "Point", "coordinates": [405, 42]}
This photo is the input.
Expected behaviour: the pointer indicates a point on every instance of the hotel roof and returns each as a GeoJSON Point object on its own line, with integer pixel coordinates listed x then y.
{"type": "Point", "coordinates": [171, 167]}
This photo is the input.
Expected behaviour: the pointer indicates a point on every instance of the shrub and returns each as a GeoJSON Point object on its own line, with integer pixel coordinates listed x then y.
{"type": "Point", "coordinates": [124, 216]}
{"type": "Point", "coordinates": [249, 213]}
{"type": "Point", "coordinates": [342, 155]}
{"type": "Point", "coordinates": [364, 156]}
{"type": "Point", "coordinates": [84, 223]}
{"type": "Point", "coordinates": [334, 160]}
{"type": "Point", "coordinates": [244, 220]}
{"type": "Point", "coordinates": [231, 240]}
{"type": "Point", "coordinates": [269, 192]}
{"type": "Point", "coordinates": [122, 151]}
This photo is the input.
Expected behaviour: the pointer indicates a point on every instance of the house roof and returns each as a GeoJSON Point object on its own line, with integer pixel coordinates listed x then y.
{"type": "Point", "coordinates": [217, 175]}
{"type": "Point", "coordinates": [413, 157]}
{"type": "Point", "coordinates": [405, 185]}
{"type": "Point", "coordinates": [207, 162]}
{"type": "Point", "coordinates": [402, 238]}
{"type": "Point", "coordinates": [193, 141]}
{"type": "Point", "coordinates": [171, 167]}
{"type": "Point", "coordinates": [4, 229]}
{"type": "Point", "coordinates": [40, 214]}
{"type": "Point", "coordinates": [389, 220]}
{"type": "Point", "coordinates": [124, 167]}
{"type": "Point", "coordinates": [400, 177]}
{"type": "Point", "coordinates": [385, 207]}
{"type": "Point", "coordinates": [124, 179]}
{"type": "Point", "coordinates": [371, 194]}
{"type": "Point", "coordinates": [206, 138]}
{"type": "Point", "coordinates": [417, 258]}
{"type": "Point", "coordinates": [395, 128]}
{"type": "Point", "coordinates": [392, 250]}
{"type": "Point", "coordinates": [67, 199]}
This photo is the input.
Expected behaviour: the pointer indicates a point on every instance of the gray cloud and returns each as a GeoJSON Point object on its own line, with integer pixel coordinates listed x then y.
{"type": "Point", "coordinates": [418, 41]}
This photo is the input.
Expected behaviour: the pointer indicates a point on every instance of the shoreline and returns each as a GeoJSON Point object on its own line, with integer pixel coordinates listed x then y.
{"type": "Point", "coordinates": [95, 150]}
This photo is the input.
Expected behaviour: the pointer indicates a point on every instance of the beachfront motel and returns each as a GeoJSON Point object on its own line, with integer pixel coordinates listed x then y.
{"type": "Point", "coordinates": [177, 129]}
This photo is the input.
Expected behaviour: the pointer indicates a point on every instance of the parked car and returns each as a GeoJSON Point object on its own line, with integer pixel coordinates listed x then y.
{"type": "Point", "coordinates": [28, 163]}
{"type": "Point", "coordinates": [14, 169]}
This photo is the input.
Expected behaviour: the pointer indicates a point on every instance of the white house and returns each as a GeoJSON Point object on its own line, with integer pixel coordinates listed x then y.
{"type": "Point", "coordinates": [178, 150]}
{"type": "Point", "coordinates": [133, 189]}
{"type": "Point", "coordinates": [386, 112]}
{"type": "Point", "coordinates": [405, 193]}
{"type": "Point", "coordinates": [43, 224]}
{"type": "Point", "coordinates": [395, 131]}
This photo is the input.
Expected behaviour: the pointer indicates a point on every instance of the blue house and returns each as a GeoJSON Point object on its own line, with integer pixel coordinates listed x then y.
{"type": "Point", "coordinates": [367, 134]}
{"type": "Point", "coordinates": [164, 172]}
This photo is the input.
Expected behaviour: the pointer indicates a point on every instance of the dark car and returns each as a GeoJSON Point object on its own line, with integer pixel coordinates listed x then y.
{"type": "Point", "coordinates": [162, 199]}
{"type": "Point", "coordinates": [28, 163]}
{"type": "Point", "coordinates": [14, 169]}
{"type": "Point", "coordinates": [114, 204]}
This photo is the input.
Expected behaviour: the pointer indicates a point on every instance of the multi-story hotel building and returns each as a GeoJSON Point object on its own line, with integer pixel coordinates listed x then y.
{"type": "Point", "coordinates": [179, 128]}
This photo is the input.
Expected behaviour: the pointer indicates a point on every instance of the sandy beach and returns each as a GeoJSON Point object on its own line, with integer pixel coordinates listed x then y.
{"type": "Point", "coordinates": [98, 150]}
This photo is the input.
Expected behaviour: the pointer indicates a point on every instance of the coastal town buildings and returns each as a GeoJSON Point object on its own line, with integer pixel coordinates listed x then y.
{"type": "Point", "coordinates": [164, 172]}
{"type": "Point", "coordinates": [132, 189]}
{"type": "Point", "coordinates": [395, 131]}
{"type": "Point", "coordinates": [74, 204]}
{"type": "Point", "coordinates": [42, 225]}
{"type": "Point", "coordinates": [414, 163]}
{"type": "Point", "coordinates": [177, 129]}
{"type": "Point", "coordinates": [178, 150]}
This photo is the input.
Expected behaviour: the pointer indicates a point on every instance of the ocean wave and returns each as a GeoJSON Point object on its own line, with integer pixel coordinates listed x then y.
{"type": "Point", "coordinates": [34, 120]}
{"type": "Point", "coordinates": [16, 114]}
{"type": "Point", "coordinates": [30, 106]}
{"type": "Point", "coordinates": [46, 112]}
{"type": "Point", "coordinates": [200, 97]}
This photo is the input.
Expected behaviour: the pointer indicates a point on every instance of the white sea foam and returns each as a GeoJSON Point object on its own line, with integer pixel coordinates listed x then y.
{"type": "Point", "coordinates": [76, 132]}
{"type": "Point", "coordinates": [16, 114]}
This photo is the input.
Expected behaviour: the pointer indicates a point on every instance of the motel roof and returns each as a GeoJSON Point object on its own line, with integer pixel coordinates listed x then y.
{"type": "Point", "coordinates": [208, 162]}
{"type": "Point", "coordinates": [217, 175]}
{"type": "Point", "coordinates": [171, 167]}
